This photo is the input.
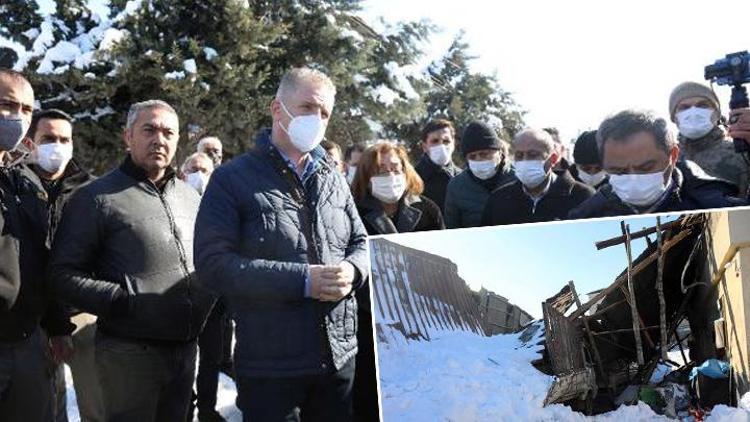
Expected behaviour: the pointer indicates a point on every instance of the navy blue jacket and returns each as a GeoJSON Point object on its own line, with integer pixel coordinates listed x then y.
{"type": "Point", "coordinates": [692, 190]}
{"type": "Point", "coordinates": [257, 230]}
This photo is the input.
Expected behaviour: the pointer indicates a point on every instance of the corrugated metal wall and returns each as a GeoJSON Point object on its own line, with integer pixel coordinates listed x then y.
{"type": "Point", "coordinates": [417, 294]}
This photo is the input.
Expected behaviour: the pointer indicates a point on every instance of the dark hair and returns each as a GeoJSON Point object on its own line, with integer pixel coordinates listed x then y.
{"type": "Point", "coordinates": [357, 147]}
{"type": "Point", "coordinates": [621, 126]}
{"type": "Point", "coordinates": [437, 124]}
{"type": "Point", "coordinates": [51, 114]}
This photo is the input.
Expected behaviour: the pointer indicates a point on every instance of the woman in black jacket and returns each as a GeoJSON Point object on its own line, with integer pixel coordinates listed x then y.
{"type": "Point", "coordinates": [387, 191]}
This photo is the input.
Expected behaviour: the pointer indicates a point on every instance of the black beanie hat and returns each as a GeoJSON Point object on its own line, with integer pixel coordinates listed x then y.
{"type": "Point", "coordinates": [478, 136]}
{"type": "Point", "coordinates": [585, 150]}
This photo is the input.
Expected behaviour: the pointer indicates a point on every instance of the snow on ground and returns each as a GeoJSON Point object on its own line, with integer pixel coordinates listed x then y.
{"type": "Point", "coordinates": [460, 376]}
{"type": "Point", "coordinates": [224, 400]}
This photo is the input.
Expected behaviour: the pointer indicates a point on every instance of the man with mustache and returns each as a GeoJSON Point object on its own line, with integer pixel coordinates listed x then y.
{"type": "Point", "coordinates": [123, 252]}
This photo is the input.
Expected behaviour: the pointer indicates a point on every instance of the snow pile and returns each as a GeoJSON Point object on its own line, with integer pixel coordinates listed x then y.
{"type": "Point", "coordinates": [464, 377]}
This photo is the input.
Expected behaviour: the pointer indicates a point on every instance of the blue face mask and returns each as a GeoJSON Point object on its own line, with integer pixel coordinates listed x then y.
{"type": "Point", "coordinates": [12, 131]}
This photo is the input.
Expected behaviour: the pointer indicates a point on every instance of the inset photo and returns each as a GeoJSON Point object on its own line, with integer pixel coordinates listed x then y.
{"type": "Point", "coordinates": [639, 318]}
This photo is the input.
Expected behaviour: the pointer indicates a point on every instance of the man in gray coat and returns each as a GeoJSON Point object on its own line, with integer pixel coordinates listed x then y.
{"type": "Point", "coordinates": [123, 252]}
{"type": "Point", "coordinates": [487, 169]}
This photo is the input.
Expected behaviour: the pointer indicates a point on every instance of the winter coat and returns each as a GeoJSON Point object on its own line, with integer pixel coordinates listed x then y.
{"type": "Point", "coordinates": [436, 179]}
{"type": "Point", "coordinates": [258, 230]}
{"type": "Point", "coordinates": [416, 213]}
{"type": "Point", "coordinates": [692, 190]}
{"type": "Point", "coordinates": [123, 251]}
{"type": "Point", "coordinates": [715, 154]}
{"type": "Point", "coordinates": [25, 256]}
{"type": "Point", "coordinates": [467, 196]}
{"type": "Point", "coordinates": [10, 273]}
{"type": "Point", "coordinates": [509, 204]}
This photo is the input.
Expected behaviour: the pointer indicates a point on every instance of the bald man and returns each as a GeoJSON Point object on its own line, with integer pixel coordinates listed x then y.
{"type": "Point", "coordinates": [539, 193]}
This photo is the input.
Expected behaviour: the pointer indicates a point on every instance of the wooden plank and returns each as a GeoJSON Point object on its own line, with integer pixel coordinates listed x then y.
{"type": "Point", "coordinates": [636, 235]}
{"type": "Point", "coordinates": [638, 268]}
{"type": "Point", "coordinates": [631, 290]}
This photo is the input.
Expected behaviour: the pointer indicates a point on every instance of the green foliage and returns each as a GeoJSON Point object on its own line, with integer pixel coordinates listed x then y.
{"type": "Point", "coordinates": [240, 50]}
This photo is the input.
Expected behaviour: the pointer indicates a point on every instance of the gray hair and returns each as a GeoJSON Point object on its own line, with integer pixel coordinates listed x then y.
{"type": "Point", "coordinates": [206, 140]}
{"type": "Point", "coordinates": [195, 156]}
{"type": "Point", "coordinates": [294, 77]}
{"type": "Point", "coordinates": [621, 126]}
{"type": "Point", "coordinates": [539, 134]}
{"type": "Point", "coordinates": [136, 108]}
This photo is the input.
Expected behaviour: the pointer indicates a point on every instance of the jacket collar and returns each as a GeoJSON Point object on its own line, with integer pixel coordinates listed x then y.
{"type": "Point", "coordinates": [430, 168]}
{"type": "Point", "coordinates": [407, 215]}
{"type": "Point", "coordinates": [672, 195]}
{"type": "Point", "coordinates": [694, 146]}
{"type": "Point", "coordinates": [318, 155]}
{"type": "Point", "coordinates": [132, 170]}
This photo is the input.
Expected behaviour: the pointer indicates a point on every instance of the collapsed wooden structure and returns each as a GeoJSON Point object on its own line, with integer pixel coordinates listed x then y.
{"type": "Point", "coordinates": [616, 338]}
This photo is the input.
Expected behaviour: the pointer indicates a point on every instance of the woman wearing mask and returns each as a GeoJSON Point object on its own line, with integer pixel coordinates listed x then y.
{"type": "Point", "coordinates": [387, 191]}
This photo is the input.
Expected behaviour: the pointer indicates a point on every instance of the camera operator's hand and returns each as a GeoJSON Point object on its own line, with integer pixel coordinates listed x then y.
{"type": "Point", "coordinates": [739, 124]}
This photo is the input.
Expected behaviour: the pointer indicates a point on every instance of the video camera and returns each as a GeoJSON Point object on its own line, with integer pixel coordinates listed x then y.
{"type": "Point", "coordinates": [733, 70]}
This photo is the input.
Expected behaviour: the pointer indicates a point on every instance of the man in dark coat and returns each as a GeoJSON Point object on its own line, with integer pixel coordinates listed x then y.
{"type": "Point", "coordinates": [123, 252]}
{"type": "Point", "coordinates": [539, 194]}
{"type": "Point", "coordinates": [436, 166]}
{"type": "Point", "coordinates": [26, 390]}
{"type": "Point", "coordinates": [488, 168]}
{"type": "Point", "coordinates": [278, 236]}
{"type": "Point", "coordinates": [56, 175]}
{"type": "Point", "coordinates": [641, 157]}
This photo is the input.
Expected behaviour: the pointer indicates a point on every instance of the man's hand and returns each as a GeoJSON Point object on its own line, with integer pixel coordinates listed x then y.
{"type": "Point", "coordinates": [331, 282]}
{"type": "Point", "coordinates": [61, 348]}
{"type": "Point", "coordinates": [739, 124]}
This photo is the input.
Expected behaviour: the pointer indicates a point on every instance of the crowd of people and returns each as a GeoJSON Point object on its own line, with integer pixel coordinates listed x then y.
{"type": "Point", "coordinates": [136, 277]}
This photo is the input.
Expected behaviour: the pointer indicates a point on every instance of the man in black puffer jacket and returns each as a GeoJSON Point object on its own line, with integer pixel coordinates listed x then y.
{"type": "Point", "coordinates": [278, 236]}
{"type": "Point", "coordinates": [640, 155]}
{"type": "Point", "coordinates": [123, 252]}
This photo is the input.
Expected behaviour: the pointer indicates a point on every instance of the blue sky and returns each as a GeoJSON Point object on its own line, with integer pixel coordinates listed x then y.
{"type": "Point", "coordinates": [529, 263]}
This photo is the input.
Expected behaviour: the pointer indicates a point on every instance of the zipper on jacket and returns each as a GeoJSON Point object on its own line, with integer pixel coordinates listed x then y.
{"type": "Point", "coordinates": [180, 250]}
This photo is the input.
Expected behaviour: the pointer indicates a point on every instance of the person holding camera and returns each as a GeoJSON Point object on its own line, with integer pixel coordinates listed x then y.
{"type": "Point", "coordinates": [694, 108]}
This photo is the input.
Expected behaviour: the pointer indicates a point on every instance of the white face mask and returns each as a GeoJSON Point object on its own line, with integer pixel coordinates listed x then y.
{"type": "Point", "coordinates": [484, 169]}
{"type": "Point", "coordinates": [306, 132]}
{"type": "Point", "coordinates": [640, 190]}
{"type": "Point", "coordinates": [12, 130]}
{"type": "Point", "coordinates": [592, 179]}
{"type": "Point", "coordinates": [388, 188]}
{"type": "Point", "coordinates": [695, 122]}
{"type": "Point", "coordinates": [531, 172]}
{"type": "Point", "coordinates": [441, 154]}
{"type": "Point", "coordinates": [198, 180]}
{"type": "Point", "coordinates": [350, 173]}
{"type": "Point", "coordinates": [53, 157]}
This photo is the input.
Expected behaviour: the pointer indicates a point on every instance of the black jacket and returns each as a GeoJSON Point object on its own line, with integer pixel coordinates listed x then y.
{"type": "Point", "coordinates": [26, 255]}
{"type": "Point", "coordinates": [692, 190]}
{"type": "Point", "coordinates": [123, 251]}
{"type": "Point", "coordinates": [416, 213]}
{"type": "Point", "coordinates": [509, 204]}
{"type": "Point", "coordinates": [258, 230]}
{"type": "Point", "coordinates": [10, 273]}
{"type": "Point", "coordinates": [436, 179]}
